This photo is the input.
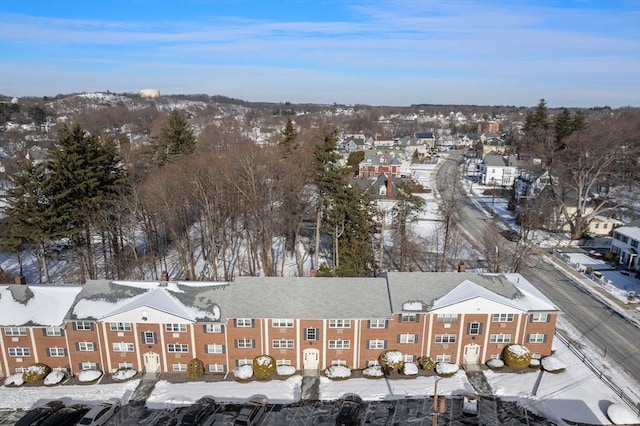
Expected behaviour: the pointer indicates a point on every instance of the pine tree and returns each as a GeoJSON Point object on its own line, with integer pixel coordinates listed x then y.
{"type": "Point", "coordinates": [289, 135]}
{"type": "Point", "coordinates": [175, 138]}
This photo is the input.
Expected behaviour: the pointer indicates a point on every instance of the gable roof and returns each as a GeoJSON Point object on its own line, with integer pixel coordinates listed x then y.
{"type": "Point", "coordinates": [496, 160]}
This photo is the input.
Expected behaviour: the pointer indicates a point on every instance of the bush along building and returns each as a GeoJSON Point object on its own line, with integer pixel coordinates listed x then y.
{"type": "Point", "coordinates": [309, 323]}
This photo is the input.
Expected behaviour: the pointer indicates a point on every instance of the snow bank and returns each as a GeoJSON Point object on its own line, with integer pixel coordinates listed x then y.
{"type": "Point", "coordinates": [89, 376]}
{"type": "Point", "coordinates": [124, 374]}
{"type": "Point", "coordinates": [54, 377]}
{"type": "Point", "coordinates": [14, 379]}
{"type": "Point", "coordinates": [337, 372]}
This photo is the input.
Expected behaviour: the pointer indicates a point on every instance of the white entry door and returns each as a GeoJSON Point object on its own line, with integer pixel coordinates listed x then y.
{"type": "Point", "coordinates": [151, 362]}
{"type": "Point", "coordinates": [472, 354]}
{"type": "Point", "coordinates": [311, 359]}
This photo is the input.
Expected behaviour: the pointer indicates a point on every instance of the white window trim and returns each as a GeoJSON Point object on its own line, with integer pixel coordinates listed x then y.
{"type": "Point", "coordinates": [122, 347]}
{"type": "Point", "coordinates": [86, 347]}
{"type": "Point", "coordinates": [15, 331]}
{"type": "Point", "coordinates": [19, 352]}
{"type": "Point", "coordinates": [215, 348]}
{"type": "Point", "coordinates": [445, 338]}
{"type": "Point", "coordinates": [500, 338]}
{"type": "Point", "coordinates": [175, 328]}
{"type": "Point", "coordinates": [282, 322]}
{"type": "Point", "coordinates": [407, 338]}
{"type": "Point", "coordinates": [540, 317]}
{"type": "Point", "coordinates": [502, 317]}
{"type": "Point", "coordinates": [282, 343]}
{"type": "Point", "coordinates": [339, 344]}
{"type": "Point", "coordinates": [376, 344]}
{"type": "Point", "coordinates": [120, 326]}
{"type": "Point", "coordinates": [178, 348]}
{"type": "Point", "coordinates": [339, 323]}
{"type": "Point", "coordinates": [244, 322]}
{"type": "Point", "coordinates": [56, 352]}
{"type": "Point", "coordinates": [378, 323]}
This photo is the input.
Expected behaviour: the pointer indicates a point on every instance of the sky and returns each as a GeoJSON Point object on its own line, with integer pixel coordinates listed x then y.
{"type": "Point", "coordinates": [580, 53]}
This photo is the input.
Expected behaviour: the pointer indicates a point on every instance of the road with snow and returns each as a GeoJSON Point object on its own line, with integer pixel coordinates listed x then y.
{"type": "Point", "coordinates": [610, 332]}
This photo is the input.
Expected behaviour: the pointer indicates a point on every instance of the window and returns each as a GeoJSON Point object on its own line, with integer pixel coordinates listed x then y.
{"type": "Point", "coordinates": [282, 323]}
{"type": "Point", "coordinates": [283, 362]}
{"type": "Point", "coordinates": [149, 337]}
{"type": "Point", "coordinates": [244, 322]}
{"type": "Point", "coordinates": [339, 344]}
{"type": "Point", "coordinates": [443, 358]}
{"type": "Point", "coordinates": [86, 346]}
{"type": "Point", "coordinates": [502, 317]}
{"type": "Point", "coordinates": [372, 363]}
{"type": "Point", "coordinates": [245, 343]}
{"type": "Point", "coordinates": [539, 317]}
{"type": "Point", "coordinates": [179, 367]}
{"type": "Point", "coordinates": [123, 347]}
{"type": "Point", "coordinates": [474, 328]}
{"type": "Point", "coordinates": [244, 361]}
{"type": "Point", "coordinates": [120, 326]}
{"type": "Point", "coordinates": [407, 338]}
{"type": "Point", "coordinates": [339, 323]}
{"type": "Point", "coordinates": [53, 331]}
{"type": "Point", "coordinates": [125, 365]}
{"type": "Point", "coordinates": [19, 352]}
{"type": "Point", "coordinates": [408, 317]}
{"type": "Point", "coordinates": [408, 358]}
{"type": "Point", "coordinates": [445, 338]}
{"type": "Point", "coordinates": [214, 349]}
{"type": "Point", "coordinates": [84, 366]}
{"type": "Point", "coordinates": [341, 362]}
{"type": "Point", "coordinates": [500, 338]}
{"type": "Point", "coordinates": [311, 334]}
{"type": "Point", "coordinates": [56, 352]}
{"type": "Point", "coordinates": [213, 328]}
{"type": "Point", "coordinates": [177, 348]}
{"type": "Point", "coordinates": [378, 323]}
{"type": "Point", "coordinates": [447, 318]}
{"type": "Point", "coordinates": [377, 344]}
{"type": "Point", "coordinates": [282, 344]}
{"type": "Point", "coordinates": [537, 338]}
{"type": "Point", "coordinates": [83, 325]}
{"type": "Point", "coordinates": [15, 331]}
{"type": "Point", "coordinates": [175, 328]}
{"type": "Point", "coordinates": [216, 368]}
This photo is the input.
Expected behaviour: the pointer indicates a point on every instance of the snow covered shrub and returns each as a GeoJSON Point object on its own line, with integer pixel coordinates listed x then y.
{"type": "Point", "coordinates": [36, 372]}
{"type": "Point", "coordinates": [391, 360]}
{"type": "Point", "coordinates": [495, 363]}
{"type": "Point", "coordinates": [195, 369]}
{"type": "Point", "coordinates": [535, 363]}
{"type": "Point", "coordinates": [89, 376]}
{"type": "Point", "coordinates": [337, 372]}
{"type": "Point", "coordinates": [426, 363]}
{"type": "Point", "coordinates": [264, 366]}
{"type": "Point", "coordinates": [244, 372]}
{"type": "Point", "coordinates": [55, 377]}
{"type": "Point", "coordinates": [373, 372]}
{"type": "Point", "coordinates": [14, 380]}
{"type": "Point", "coordinates": [516, 356]}
{"type": "Point", "coordinates": [552, 365]}
{"type": "Point", "coordinates": [409, 369]}
{"type": "Point", "coordinates": [446, 369]}
{"type": "Point", "coordinates": [285, 370]}
{"type": "Point", "coordinates": [123, 374]}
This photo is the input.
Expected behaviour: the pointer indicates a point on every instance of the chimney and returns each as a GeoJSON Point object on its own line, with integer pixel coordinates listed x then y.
{"type": "Point", "coordinates": [20, 279]}
{"type": "Point", "coordinates": [164, 276]}
{"type": "Point", "coordinates": [389, 187]}
{"type": "Point", "coordinates": [312, 272]}
{"type": "Point", "coordinates": [462, 267]}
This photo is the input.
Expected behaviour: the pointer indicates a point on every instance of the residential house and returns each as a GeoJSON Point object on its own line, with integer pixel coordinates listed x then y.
{"type": "Point", "coordinates": [556, 206]}
{"type": "Point", "coordinates": [530, 183]}
{"type": "Point", "coordinates": [426, 138]}
{"type": "Point", "coordinates": [308, 323]}
{"type": "Point", "coordinates": [625, 244]}
{"type": "Point", "coordinates": [500, 170]}
{"type": "Point", "coordinates": [488, 126]}
{"type": "Point", "coordinates": [383, 141]}
{"type": "Point", "coordinates": [376, 163]}
{"type": "Point", "coordinates": [601, 226]}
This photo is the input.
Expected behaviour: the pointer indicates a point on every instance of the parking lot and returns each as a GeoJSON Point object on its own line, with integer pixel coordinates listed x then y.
{"type": "Point", "coordinates": [322, 413]}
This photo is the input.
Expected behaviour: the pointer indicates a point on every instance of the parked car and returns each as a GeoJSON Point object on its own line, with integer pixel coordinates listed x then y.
{"type": "Point", "coordinates": [511, 235]}
{"type": "Point", "coordinates": [101, 413]}
{"type": "Point", "coordinates": [251, 412]}
{"type": "Point", "coordinates": [39, 414]}
{"type": "Point", "coordinates": [470, 405]}
{"type": "Point", "coordinates": [350, 409]}
{"type": "Point", "coordinates": [198, 411]}
{"type": "Point", "coordinates": [66, 416]}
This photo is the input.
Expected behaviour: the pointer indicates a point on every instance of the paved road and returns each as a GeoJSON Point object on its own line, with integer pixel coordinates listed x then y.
{"type": "Point", "coordinates": [608, 331]}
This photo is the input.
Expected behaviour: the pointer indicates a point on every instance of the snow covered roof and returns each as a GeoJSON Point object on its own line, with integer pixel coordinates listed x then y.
{"type": "Point", "coordinates": [441, 289]}
{"type": "Point", "coordinates": [629, 231]}
{"type": "Point", "coordinates": [100, 298]}
{"type": "Point", "coordinates": [36, 305]}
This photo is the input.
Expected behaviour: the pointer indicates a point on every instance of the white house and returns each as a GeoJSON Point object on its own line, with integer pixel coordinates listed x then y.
{"type": "Point", "coordinates": [498, 169]}
{"type": "Point", "coordinates": [625, 244]}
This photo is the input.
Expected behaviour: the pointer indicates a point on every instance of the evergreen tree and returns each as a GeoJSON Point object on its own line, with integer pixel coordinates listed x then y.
{"type": "Point", "coordinates": [407, 208]}
{"type": "Point", "coordinates": [175, 138]}
{"type": "Point", "coordinates": [289, 135]}
{"type": "Point", "coordinates": [84, 179]}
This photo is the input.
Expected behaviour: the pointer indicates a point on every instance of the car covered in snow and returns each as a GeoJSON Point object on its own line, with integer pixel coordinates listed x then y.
{"type": "Point", "coordinates": [197, 412]}
{"type": "Point", "coordinates": [101, 413]}
{"type": "Point", "coordinates": [350, 410]}
{"type": "Point", "coordinates": [39, 414]}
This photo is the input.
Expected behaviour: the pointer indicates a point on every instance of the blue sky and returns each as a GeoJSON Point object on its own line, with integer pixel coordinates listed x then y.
{"type": "Point", "coordinates": [572, 53]}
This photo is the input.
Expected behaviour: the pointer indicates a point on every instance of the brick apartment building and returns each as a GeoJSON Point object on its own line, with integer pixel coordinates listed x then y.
{"type": "Point", "coordinates": [309, 323]}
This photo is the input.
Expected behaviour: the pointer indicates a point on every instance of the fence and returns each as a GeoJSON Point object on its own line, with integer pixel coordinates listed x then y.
{"type": "Point", "coordinates": [632, 404]}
